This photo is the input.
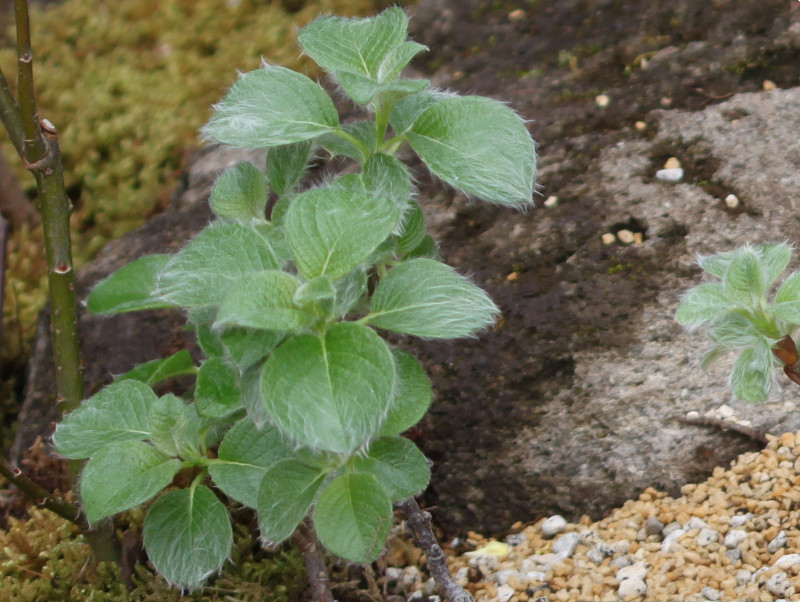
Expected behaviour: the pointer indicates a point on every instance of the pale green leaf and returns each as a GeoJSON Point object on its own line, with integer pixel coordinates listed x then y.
{"type": "Point", "coordinates": [350, 290]}
{"type": "Point", "coordinates": [788, 311]}
{"type": "Point", "coordinates": [408, 109]}
{"type": "Point", "coordinates": [364, 46]}
{"type": "Point", "coordinates": [359, 141]}
{"type": "Point", "coordinates": [773, 259]}
{"type": "Point", "coordinates": [332, 392]}
{"type": "Point", "coordinates": [477, 145]}
{"type": "Point", "coordinates": [413, 231]}
{"type": "Point", "coordinates": [286, 165]}
{"type": "Point", "coordinates": [320, 288]}
{"type": "Point", "coordinates": [203, 271]}
{"type": "Point", "coordinates": [427, 298]}
{"type": "Point", "coordinates": [752, 373]}
{"type": "Point", "coordinates": [719, 263]}
{"type": "Point", "coordinates": [168, 422]}
{"type": "Point", "coordinates": [246, 346]}
{"type": "Point", "coordinates": [427, 248]}
{"type": "Point", "coordinates": [153, 372]}
{"type": "Point", "coordinates": [251, 395]}
{"type": "Point", "coordinates": [744, 280]}
{"type": "Point", "coordinates": [703, 303]}
{"type": "Point", "coordinates": [285, 496]}
{"type": "Point", "coordinates": [240, 193]}
{"type": "Point", "coordinates": [131, 288]}
{"type": "Point", "coordinates": [217, 391]}
{"type": "Point", "coordinates": [399, 466]}
{"type": "Point", "coordinates": [188, 536]}
{"type": "Point", "coordinates": [734, 330]}
{"type": "Point", "coordinates": [412, 396]}
{"type": "Point", "coordinates": [332, 230]}
{"type": "Point", "coordinates": [116, 413]}
{"type": "Point", "coordinates": [789, 289]}
{"type": "Point", "coordinates": [388, 177]}
{"type": "Point", "coordinates": [363, 89]}
{"type": "Point", "coordinates": [353, 517]}
{"type": "Point", "coordinates": [263, 300]}
{"type": "Point", "coordinates": [271, 106]}
{"type": "Point", "coordinates": [122, 475]}
{"type": "Point", "coordinates": [243, 457]}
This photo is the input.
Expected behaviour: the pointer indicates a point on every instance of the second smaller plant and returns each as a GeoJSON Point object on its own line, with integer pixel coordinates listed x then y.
{"type": "Point", "coordinates": [741, 314]}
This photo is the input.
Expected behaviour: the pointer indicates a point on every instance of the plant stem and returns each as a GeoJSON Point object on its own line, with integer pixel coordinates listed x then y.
{"type": "Point", "coordinates": [36, 142]}
{"type": "Point", "coordinates": [314, 559]}
{"type": "Point", "coordinates": [418, 524]}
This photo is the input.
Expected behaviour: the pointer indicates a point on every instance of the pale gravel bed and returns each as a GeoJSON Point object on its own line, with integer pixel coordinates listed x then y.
{"type": "Point", "coordinates": [732, 537]}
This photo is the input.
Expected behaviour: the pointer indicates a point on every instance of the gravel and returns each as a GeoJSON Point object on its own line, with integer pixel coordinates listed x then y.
{"type": "Point", "coordinates": [729, 538]}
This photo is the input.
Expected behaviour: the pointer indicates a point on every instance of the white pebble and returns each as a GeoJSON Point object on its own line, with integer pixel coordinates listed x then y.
{"type": "Point", "coordinates": [777, 542]}
{"type": "Point", "coordinates": [741, 519]}
{"type": "Point", "coordinates": [640, 126]}
{"type": "Point", "coordinates": [670, 542]}
{"type": "Point", "coordinates": [706, 537]}
{"type": "Point", "coordinates": [734, 555]}
{"type": "Point", "coordinates": [634, 571]}
{"type": "Point", "coordinates": [789, 560]}
{"type": "Point", "coordinates": [502, 577]}
{"type": "Point", "coordinates": [709, 593]}
{"type": "Point", "coordinates": [504, 593]}
{"type": "Point", "coordinates": [551, 201]}
{"type": "Point", "coordinates": [599, 552]}
{"type": "Point", "coordinates": [768, 85]}
{"type": "Point", "coordinates": [602, 100]}
{"type": "Point", "coordinates": [743, 577]}
{"type": "Point", "coordinates": [631, 587]}
{"type": "Point", "coordinates": [779, 584]}
{"type": "Point", "coordinates": [608, 238]}
{"type": "Point", "coordinates": [725, 411]}
{"type": "Point", "coordinates": [670, 175]}
{"type": "Point", "coordinates": [695, 523]}
{"type": "Point", "coordinates": [672, 163]}
{"type": "Point", "coordinates": [566, 544]}
{"type": "Point", "coordinates": [553, 525]}
{"type": "Point", "coordinates": [732, 201]}
{"type": "Point", "coordinates": [625, 236]}
{"type": "Point", "coordinates": [734, 537]}
{"type": "Point", "coordinates": [409, 577]}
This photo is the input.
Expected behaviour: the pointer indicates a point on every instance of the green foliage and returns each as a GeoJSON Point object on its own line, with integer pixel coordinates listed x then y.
{"type": "Point", "coordinates": [310, 398]}
{"type": "Point", "coordinates": [738, 313]}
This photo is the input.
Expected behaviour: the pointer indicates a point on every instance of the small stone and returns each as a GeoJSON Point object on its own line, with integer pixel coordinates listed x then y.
{"type": "Point", "coordinates": [777, 542]}
{"type": "Point", "coordinates": [566, 544]}
{"type": "Point", "coordinates": [625, 236]}
{"type": "Point", "coordinates": [602, 100]}
{"type": "Point", "coordinates": [734, 555]}
{"type": "Point", "coordinates": [743, 577]}
{"type": "Point", "coordinates": [551, 201]}
{"type": "Point", "coordinates": [640, 126]}
{"type": "Point", "coordinates": [709, 593]}
{"type": "Point", "coordinates": [608, 238]}
{"type": "Point", "coordinates": [734, 537]}
{"type": "Point", "coordinates": [731, 201]}
{"type": "Point", "coordinates": [409, 577]}
{"type": "Point", "coordinates": [670, 542]}
{"type": "Point", "coordinates": [779, 584]}
{"type": "Point", "coordinates": [502, 577]}
{"type": "Point", "coordinates": [634, 571]}
{"type": "Point", "coordinates": [672, 163]}
{"type": "Point", "coordinates": [768, 85]}
{"type": "Point", "coordinates": [741, 519]}
{"type": "Point", "coordinates": [516, 15]}
{"type": "Point", "coordinates": [553, 525]}
{"type": "Point", "coordinates": [673, 526]}
{"type": "Point", "coordinates": [622, 561]}
{"type": "Point", "coordinates": [670, 175]}
{"type": "Point", "coordinates": [515, 539]}
{"type": "Point", "coordinates": [706, 537]}
{"type": "Point", "coordinates": [462, 576]}
{"type": "Point", "coordinates": [725, 411]}
{"type": "Point", "coordinates": [695, 523]}
{"type": "Point", "coordinates": [504, 593]}
{"type": "Point", "coordinates": [787, 561]}
{"type": "Point", "coordinates": [653, 526]}
{"type": "Point", "coordinates": [429, 588]}
{"type": "Point", "coordinates": [631, 587]}
{"type": "Point", "coordinates": [486, 563]}
{"type": "Point", "coordinates": [599, 552]}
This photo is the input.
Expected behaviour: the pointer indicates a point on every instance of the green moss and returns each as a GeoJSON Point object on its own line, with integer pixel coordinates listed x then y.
{"type": "Point", "coordinates": [128, 85]}
{"type": "Point", "coordinates": [44, 558]}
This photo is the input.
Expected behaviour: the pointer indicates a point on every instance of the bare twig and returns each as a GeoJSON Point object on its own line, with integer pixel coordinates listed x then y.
{"type": "Point", "coordinates": [314, 559]}
{"type": "Point", "coordinates": [727, 425]}
{"type": "Point", "coordinates": [419, 525]}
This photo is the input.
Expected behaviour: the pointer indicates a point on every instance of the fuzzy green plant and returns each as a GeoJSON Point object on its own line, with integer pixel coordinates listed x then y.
{"type": "Point", "coordinates": [746, 311]}
{"type": "Point", "coordinates": [300, 403]}
{"type": "Point", "coordinates": [128, 84]}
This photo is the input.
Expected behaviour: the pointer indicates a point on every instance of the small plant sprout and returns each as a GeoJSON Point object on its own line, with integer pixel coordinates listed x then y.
{"type": "Point", "coordinates": [300, 403]}
{"type": "Point", "coordinates": [739, 315]}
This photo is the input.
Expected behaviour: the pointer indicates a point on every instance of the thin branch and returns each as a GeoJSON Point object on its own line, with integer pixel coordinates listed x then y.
{"type": "Point", "coordinates": [33, 146]}
{"type": "Point", "coordinates": [418, 524]}
{"type": "Point", "coordinates": [42, 497]}
{"type": "Point", "coordinates": [727, 425]}
{"type": "Point", "coordinates": [314, 559]}
{"type": "Point", "coordinates": [10, 115]}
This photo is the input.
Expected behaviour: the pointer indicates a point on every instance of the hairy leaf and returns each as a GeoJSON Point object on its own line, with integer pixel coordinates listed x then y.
{"type": "Point", "coordinates": [412, 396]}
{"type": "Point", "coordinates": [240, 193]}
{"type": "Point", "coordinates": [286, 493]}
{"type": "Point", "coordinates": [703, 303]}
{"type": "Point", "coordinates": [398, 465]}
{"type": "Point", "coordinates": [131, 288]}
{"type": "Point", "coordinates": [286, 164]}
{"type": "Point", "coordinates": [153, 372]}
{"type": "Point", "coordinates": [217, 392]}
{"type": "Point", "coordinates": [752, 373]}
{"type": "Point", "coordinates": [168, 422]}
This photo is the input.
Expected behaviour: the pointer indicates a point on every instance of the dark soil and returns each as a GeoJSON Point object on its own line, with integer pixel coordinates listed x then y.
{"type": "Point", "coordinates": [549, 59]}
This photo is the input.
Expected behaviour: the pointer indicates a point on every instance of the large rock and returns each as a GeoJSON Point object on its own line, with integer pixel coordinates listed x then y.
{"type": "Point", "coordinates": [573, 403]}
